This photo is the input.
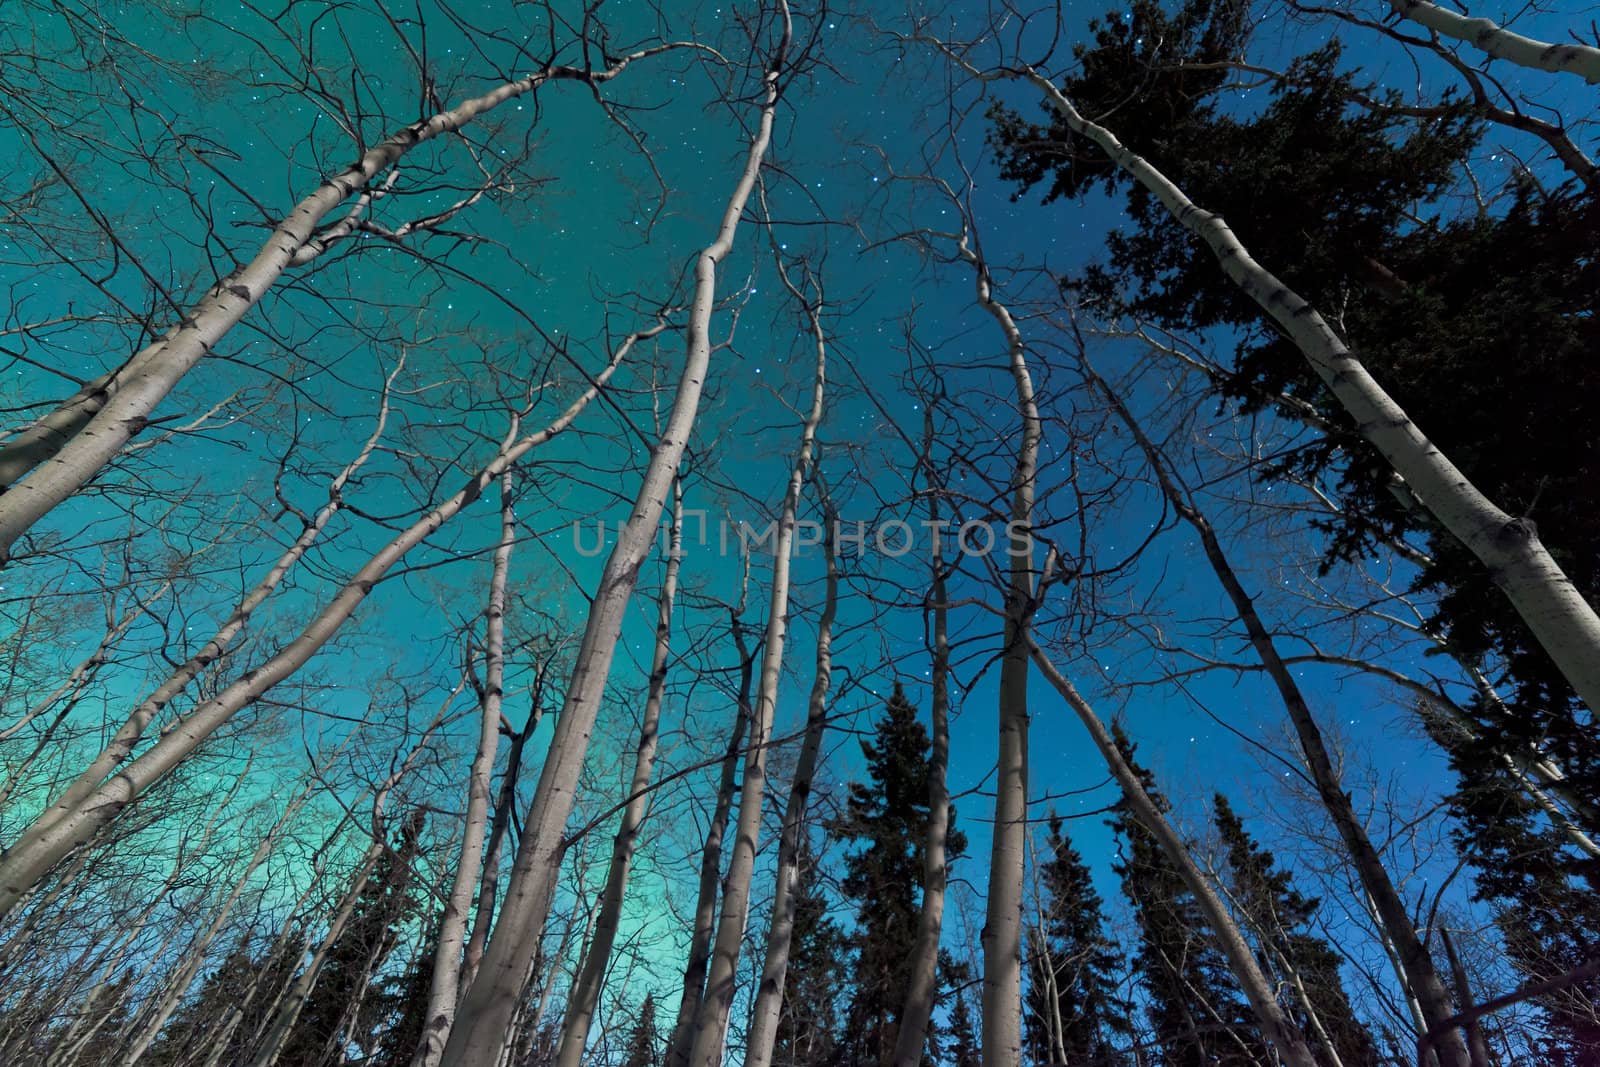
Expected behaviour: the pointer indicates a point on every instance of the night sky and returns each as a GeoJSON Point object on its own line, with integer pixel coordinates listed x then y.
{"type": "Point", "coordinates": [185, 151]}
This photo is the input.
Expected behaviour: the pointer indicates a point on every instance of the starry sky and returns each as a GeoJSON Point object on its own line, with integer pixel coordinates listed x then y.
{"type": "Point", "coordinates": [190, 131]}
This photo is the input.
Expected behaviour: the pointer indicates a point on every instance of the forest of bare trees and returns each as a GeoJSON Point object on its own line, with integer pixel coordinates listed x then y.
{"type": "Point", "coordinates": [667, 535]}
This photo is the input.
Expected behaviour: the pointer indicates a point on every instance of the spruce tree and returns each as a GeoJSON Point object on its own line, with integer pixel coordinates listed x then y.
{"type": "Point", "coordinates": [1306, 966]}
{"type": "Point", "coordinates": [888, 815]}
{"type": "Point", "coordinates": [1482, 325]}
{"type": "Point", "coordinates": [354, 963]}
{"type": "Point", "coordinates": [1545, 893]}
{"type": "Point", "coordinates": [1198, 1017]}
{"type": "Point", "coordinates": [963, 1044]}
{"type": "Point", "coordinates": [644, 1041]}
{"type": "Point", "coordinates": [819, 964]}
{"type": "Point", "coordinates": [1080, 961]}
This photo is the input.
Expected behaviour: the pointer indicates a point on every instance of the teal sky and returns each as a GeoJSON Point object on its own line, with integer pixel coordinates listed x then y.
{"type": "Point", "coordinates": [185, 150]}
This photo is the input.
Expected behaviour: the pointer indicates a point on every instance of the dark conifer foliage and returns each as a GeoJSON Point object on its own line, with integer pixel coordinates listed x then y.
{"type": "Point", "coordinates": [1546, 893]}
{"type": "Point", "coordinates": [814, 992]}
{"type": "Point", "coordinates": [1074, 976]}
{"type": "Point", "coordinates": [347, 1002]}
{"type": "Point", "coordinates": [232, 1006]}
{"type": "Point", "coordinates": [1197, 1018]}
{"type": "Point", "coordinates": [1280, 918]}
{"type": "Point", "coordinates": [962, 1049]}
{"type": "Point", "coordinates": [1480, 323]}
{"type": "Point", "coordinates": [644, 1042]}
{"type": "Point", "coordinates": [885, 824]}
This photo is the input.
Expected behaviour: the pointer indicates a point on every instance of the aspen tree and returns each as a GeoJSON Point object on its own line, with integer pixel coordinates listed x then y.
{"type": "Point", "coordinates": [1501, 43]}
{"type": "Point", "coordinates": [444, 988]}
{"type": "Point", "coordinates": [48, 461]}
{"type": "Point", "coordinates": [1421, 976]}
{"type": "Point", "coordinates": [1258, 990]}
{"type": "Point", "coordinates": [1561, 620]}
{"type": "Point", "coordinates": [711, 1021]}
{"type": "Point", "coordinates": [1002, 930]}
{"type": "Point", "coordinates": [705, 910]}
{"type": "Point", "coordinates": [922, 986]}
{"type": "Point", "coordinates": [585, 991]}
{"type": "Point", "coordinates": [780, 935]}
{"type": "Point", "coordinates": [487, 1008]}
{"type": "Point", "coordinates": [27, 861]}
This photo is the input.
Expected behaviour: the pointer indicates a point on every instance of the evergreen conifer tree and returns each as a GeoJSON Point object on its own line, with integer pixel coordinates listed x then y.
{"type": "Point", "coordinates": [888, 814]}
{"type": "Point", "coordinates": [1079, 960]}
{"type": "Point", "coordinates": [1545, 892]}
{"type": "Point", "coordinates": [1197, 1016]}
{"type": "Point", "coordinates": [819, 965]}
{"type": "Point", "coordinates": [355, 961]}
{"type": "Point", "coordinates": [1481, 325]}
{"type": "Point", "coordinates": [1307, 967]}
{"type": "Point", "coordinates": [644, 1042]}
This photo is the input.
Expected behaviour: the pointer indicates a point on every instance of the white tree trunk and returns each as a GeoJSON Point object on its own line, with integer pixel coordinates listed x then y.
{"type": "Point", "coordinates": [768, 1007]}
{"type": "Point", "coordinates": [172, 996]}
{"type": "Point", "coordinates": [1501, 43]}
{"type": "Point", "coordinates": [922, 983]}
{"type": "Point", "coordinates": [138, 721]}
{"type": "Point", "coordinates": [1275, 1025]}
{"type": "Point", "coordinates": [585, 992]}
{"type": "Point", "coordinates": [1002, 930]}
{"type": "Point", "coordinates": [705, 911]}
{"type": "Point", "coordinates": [445, 984]}
{"type": "Point", "coordinates": [1419, 971]}
{"type": "Point", "coordinates": [711, 1020]}
{"type": "Point", "coordinates": [1561, 620]}
{"type": "Point", "coordinates": [27, 861]}
{"type": "Point", "coordinates": [481, 1025]}
{"type": "Point", "coordinates": [66, 463]}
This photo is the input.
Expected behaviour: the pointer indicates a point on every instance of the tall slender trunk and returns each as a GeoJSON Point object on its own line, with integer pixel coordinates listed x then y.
{"type": "Point", "coordinates": [705, 909]}
{"type": "Point", "coordinates": [711, 1021]}
{"type": "Point", "coordinates": [1002, 929]}
{"type": "Point", "coordinates": [1275, 1024]}
{"type": "Point", "coordinates": [163, 1007]}
{"type": "Point", "coordinates": [69, 447]}
{"type": "Point", "coordinates": [32, 856]}
{"type": "Point", "coordinates": [480, 1031]}
{"type": "Point", "coordinates": [489, 883]}
{"type": "Point", "coordinates": [923, 970]}
{"type": "Point", "coordinates": [764, 1016]}
{"type": "Point", "coordinates": [1562, 621]}
{"type": "Point", "coordinates": [444, 986]}
{"type": "Point", "coordinates": [585, 992]}
{"type": "Point", "coordinates": [122, 743]}
{"type": "Point", "coordinates": [1426, 984]}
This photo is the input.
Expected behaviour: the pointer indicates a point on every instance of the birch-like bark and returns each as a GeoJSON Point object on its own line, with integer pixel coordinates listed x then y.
{"type": "Point", "coordinates": [585, 992]}
{"type": "Point", "coordinates": [1002, 930]}
{"type": "Point", "coordinates": [489, 883]}
{"type": "Point", "coordinates": [444, 986]}
{"type": "Point", "coordinates": [711, 1020]}
{"type": "Point", "coordinates": [1275, 1024]}
{"type": "Point", "coordinates": [922, 979]}
{"type": "Point", "coordinates": [76, 448]}
{"type": "Point", "coordinates": [1501, 43]}
{"type": "Point", "coordinates": [158, 1014]}
{"type": "Point", "coordinates": [705, 909]}
{"type": "Point", "coordinates": [294, 1000]}
{"type": "Point", "coordinates": [768, 1007]}
{"type": "Point", "coordinates": [481, 1025]}
{"type": "Point", "coordinates": [1423, 978]}
{"type": "Point", "coordinates": [27, 861]}
{"type": "Point", "coordinates": [1565, 624]}
{"type": "Point", "coordinates": [122, 743]}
